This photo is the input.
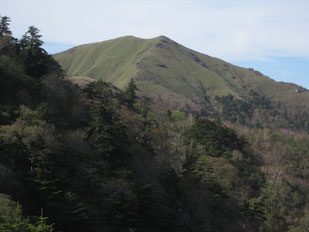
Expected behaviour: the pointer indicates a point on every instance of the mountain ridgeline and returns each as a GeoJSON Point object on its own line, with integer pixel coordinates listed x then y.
{"type": "Point", "coordinates": [130, 157]}
{"type": "Point", "coordinates": [178, 78]}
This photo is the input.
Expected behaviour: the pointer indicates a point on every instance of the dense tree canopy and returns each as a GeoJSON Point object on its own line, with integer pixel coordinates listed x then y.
{"type": "Point", "coordinates": [99, 159]}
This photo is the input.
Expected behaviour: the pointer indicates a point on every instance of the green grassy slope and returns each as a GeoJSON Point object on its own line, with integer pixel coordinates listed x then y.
{"type": "Point", "coordinates": [112, 60]}
{"type": "Point", "coordinates": [177, 77]}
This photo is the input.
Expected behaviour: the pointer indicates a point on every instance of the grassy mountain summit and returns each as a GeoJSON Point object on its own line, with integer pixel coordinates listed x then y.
{"type": "Point", "coordinates": [112, 60]}
{"type": "Point", "coordinates": [98, 158]}
{"type": "Point", "coordinates": [179, 78]}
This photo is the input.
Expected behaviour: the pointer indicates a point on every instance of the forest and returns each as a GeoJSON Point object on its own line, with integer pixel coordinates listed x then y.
{"type": "Point", "coordinates": [100, 158]}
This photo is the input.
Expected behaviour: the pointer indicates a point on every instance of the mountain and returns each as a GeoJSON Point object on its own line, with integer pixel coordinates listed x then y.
{"type": "Point", "coordinates": [176, 77]}
{"type": "Point", "coordinates": [98, 158]}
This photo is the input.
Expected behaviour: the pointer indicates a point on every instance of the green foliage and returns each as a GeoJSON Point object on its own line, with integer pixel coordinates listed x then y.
{"type": "Point", "coordinates": [241, 111]}
{"type": "Point", "coordinates": [15, 87]}
{"type": "Point", "coordinates": [35, 59]}
{"type": "Point", "coordinates": [4, 26]}
{"type": "Point", "coordinates": [64, 107]}
{"type": "Point", "coordinates": [101, 159]}
{"type": "Point", "coordinates": [235, 110]}
{"type": "Point", "coordinates": [214, 137]}
{"type": "Point", "coordinates": [15, 223]}
{"type": "Point", "coordinates": [99, 91]}
{"type": "Point", "coordinates": [280, 198]}
{"type": "Point", "coordinates": [303, 224]}
{"type": "Point", "coordinates": [7, 206]}
{"type": "Point", "coordinates": [218, 159]}
{"type": "Point", "coordinates": [177, 115]}
{"type": "Point", "coordinates": [128, 95]}
{"type": "Point", "coordinates": [106, 131]}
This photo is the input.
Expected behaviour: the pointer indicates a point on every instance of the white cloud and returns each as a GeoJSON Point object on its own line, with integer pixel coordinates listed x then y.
{"type": "Point", "coordinates": [230, 29]}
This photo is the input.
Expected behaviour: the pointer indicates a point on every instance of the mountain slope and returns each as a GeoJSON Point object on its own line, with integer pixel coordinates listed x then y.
{"type": "Point", "coordinates": [179, 78]}
{"type": "Point", "coordinates": [111, 60]}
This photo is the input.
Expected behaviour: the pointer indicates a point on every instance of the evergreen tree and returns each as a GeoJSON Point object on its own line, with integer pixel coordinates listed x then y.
{"type": "Point", "coordinates": [129, 96]}
{"type": "Point", "coordinates": [4, 26]}
{"type": "Point", "coordinates": [17, 223]}
{"type": "Point", "coordinates": [7, 42]}
{"type": "Point", "coordinates": [107, 133]}
{"type": "Point", "coordinates": [34, 56]}
{"type": "Point", "coordinates": [31, 39]}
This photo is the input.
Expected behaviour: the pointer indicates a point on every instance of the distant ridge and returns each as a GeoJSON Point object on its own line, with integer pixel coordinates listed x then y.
{"type": "Point", "coordinates": [179, 78]}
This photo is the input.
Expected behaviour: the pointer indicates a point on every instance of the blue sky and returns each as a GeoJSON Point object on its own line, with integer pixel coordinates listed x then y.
{"type": "Point", "coordinates": [271, 36]}
{"type": "Point", "coordinates": [287, 69]}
